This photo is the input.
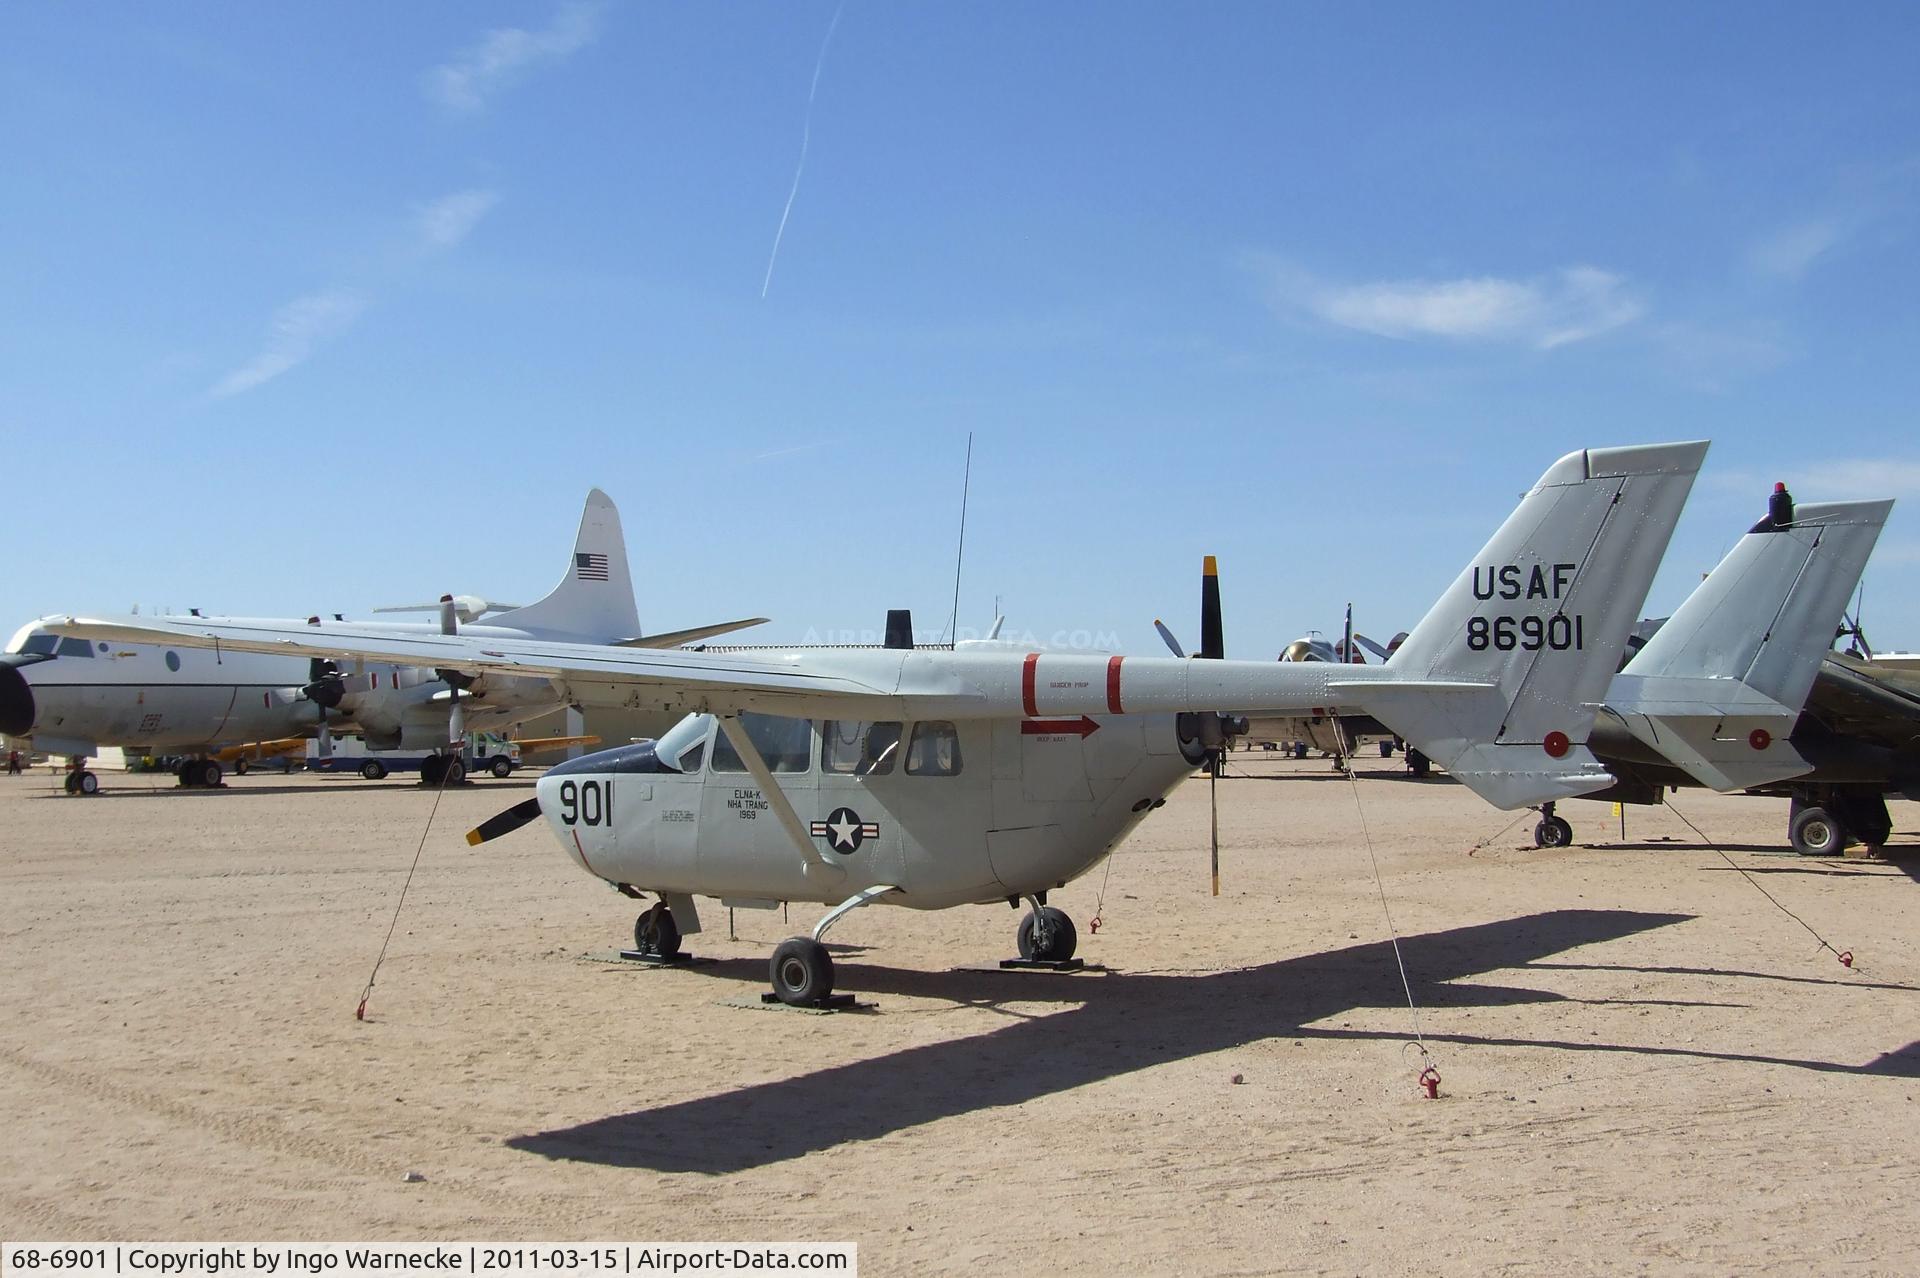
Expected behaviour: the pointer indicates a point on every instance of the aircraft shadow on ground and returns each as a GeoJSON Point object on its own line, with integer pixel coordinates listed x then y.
{"type": "Point", "coordinates": [1122, 1023]}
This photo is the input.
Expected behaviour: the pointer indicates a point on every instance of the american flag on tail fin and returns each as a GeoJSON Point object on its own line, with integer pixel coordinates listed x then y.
{"type": "Point", "coordinates": [590, 567]}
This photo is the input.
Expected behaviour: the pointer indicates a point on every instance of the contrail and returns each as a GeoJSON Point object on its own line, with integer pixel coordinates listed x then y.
{"type": "Point", "coordinates": [806, 134]}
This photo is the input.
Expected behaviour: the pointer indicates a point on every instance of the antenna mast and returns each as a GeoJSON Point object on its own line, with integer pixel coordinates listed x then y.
{"type": "Point", "coordinates": [960, 552]}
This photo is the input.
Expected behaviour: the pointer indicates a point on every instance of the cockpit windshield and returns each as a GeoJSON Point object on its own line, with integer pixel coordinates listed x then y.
{"type": "Point", "coordinates": [682, 746]}
{"type": "Point", "coordinates": [41, 644]}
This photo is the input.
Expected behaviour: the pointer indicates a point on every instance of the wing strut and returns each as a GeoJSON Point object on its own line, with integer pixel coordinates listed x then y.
{"type": "Point", "coordinates": [813, 864]}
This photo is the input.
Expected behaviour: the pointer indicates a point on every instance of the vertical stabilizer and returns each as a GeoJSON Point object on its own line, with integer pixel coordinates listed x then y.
{"type": "Point", "coordinates": [1717, 690]}
{"type": "Point", "coordinates": [1539, 620]}
{"type": "Point", "coordinates": [594, 601]}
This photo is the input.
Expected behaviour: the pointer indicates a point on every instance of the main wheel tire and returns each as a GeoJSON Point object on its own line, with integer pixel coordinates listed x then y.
{"type": "Point", "coordinates": [1814, 831]}
{"type": "Point", "coordinates": [1299, 749]}
{"type": "Point", "coordinates": [501, 767]}
{"type": "Point", "coordinates": [1553, 832]}
{"type": "Point", "coordinates": [802, 971]}
{"type": "Point", "coordinates": [1386, 749]}
{"type": "Point", "coordinates": [456, 770]}
{"type": "Point", "coordinates": [210, 774]}
{"type": "Point", "coordinates": [433, 769]}
{"type": "Point", "coordinates": [373, 770]}
{"type": "Point", "coordinates": [1060, 940]}
{"type": "Point", "coordinates": [240, 766]}
{"type": "Point", "coordinates": [88, 783]}
{"type": "Point", "coordinates": [73, 783]}
{"type": "Point", "coordinates": [1418, 763]}
{"type": "Point", "coordinates": [655, 932]}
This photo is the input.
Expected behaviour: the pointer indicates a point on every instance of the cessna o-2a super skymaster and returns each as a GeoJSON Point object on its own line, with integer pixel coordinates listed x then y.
{"type": "Point", "coordinates": [985, 772]}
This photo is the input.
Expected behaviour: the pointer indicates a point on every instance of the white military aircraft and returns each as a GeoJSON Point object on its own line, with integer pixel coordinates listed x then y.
{"type": "Point", "coordinates": [985, 772]}
{"type": "Point", "coordinates": [70, 696]}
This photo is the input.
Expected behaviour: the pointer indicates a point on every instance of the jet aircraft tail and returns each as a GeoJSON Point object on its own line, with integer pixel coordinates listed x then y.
{"type": "Point", "coordinates": [594, 601]}
{"type": "Point", "coordinates": [1719, 686]}
{"type": "Point", "coordinates": [1526, 638]}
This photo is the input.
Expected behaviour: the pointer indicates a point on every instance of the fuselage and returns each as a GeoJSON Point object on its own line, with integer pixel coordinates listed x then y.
{"type": "Point", "coordinates": [72, 696]}
{"type": "Point", "coordinates": [949, 812]}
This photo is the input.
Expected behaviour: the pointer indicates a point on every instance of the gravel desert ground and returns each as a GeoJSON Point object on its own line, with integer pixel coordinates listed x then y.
{"type": "Point", "coordinates": [1645, 1064]}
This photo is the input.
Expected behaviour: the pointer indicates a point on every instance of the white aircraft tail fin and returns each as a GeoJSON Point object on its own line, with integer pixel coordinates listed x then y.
{"type": "Point", "coordinates": [1719, 686]}
{"type": "Point", "coordinates": [594, 601]}
{"type": "Point", "coordinates": [1528, 635]}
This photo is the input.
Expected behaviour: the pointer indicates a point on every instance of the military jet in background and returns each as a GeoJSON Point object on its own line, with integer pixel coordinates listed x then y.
{"type": "Point", "coordinates": [70, 696]}
{"type": "Point", "coordinates": [986, 771]}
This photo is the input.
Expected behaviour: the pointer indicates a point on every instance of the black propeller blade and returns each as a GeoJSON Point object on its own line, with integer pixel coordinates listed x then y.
{"type": "Point", "coordinates": [1213, 643]}
{"type": "Point", "coordinates": [504, 822]}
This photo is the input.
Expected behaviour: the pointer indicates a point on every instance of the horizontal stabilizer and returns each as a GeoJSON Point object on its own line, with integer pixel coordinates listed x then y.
{"type": "Point", "coordinates": [675, 638]}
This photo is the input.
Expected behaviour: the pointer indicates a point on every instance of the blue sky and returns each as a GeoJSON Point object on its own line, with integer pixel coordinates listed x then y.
{"type": "Point", "coordinates": [317, 310]}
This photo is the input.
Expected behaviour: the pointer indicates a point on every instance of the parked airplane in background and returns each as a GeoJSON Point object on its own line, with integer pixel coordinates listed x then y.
{"type": "Point", "coordinates": [987, 772]}
{"type": "Point", "coordinates": [1714, 698]}
{"type": "Point", "coordinates": [70, 696]}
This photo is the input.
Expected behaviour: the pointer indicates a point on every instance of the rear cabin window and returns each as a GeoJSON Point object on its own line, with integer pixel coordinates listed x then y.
{"type": "Point", "coordinates": [859, 749]}
{"type": "Point", "coordinates": [786, 744]}
{"type": "Point", "coordinates": [934, 751]}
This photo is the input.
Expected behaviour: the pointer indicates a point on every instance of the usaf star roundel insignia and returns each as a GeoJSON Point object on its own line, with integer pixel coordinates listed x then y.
{"type": "Point", "coordinates": [844, 831]}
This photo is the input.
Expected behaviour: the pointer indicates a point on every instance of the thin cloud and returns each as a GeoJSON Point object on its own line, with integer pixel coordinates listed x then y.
{"type": "Point", "coordinates": [1543, 311]}
{"type": "Point", "coordinates": [1865, 477]}
{"type": "Point", "coordinates": [449, 219]}
{"type": "Point", "coordinates": [298, 328]}
{"type": "Point", "coordinates": [1788, 253]}
{"type": "Point", "coordinates": [1831, 479]}
{"type": "Point", "coordinates": [504, 54]}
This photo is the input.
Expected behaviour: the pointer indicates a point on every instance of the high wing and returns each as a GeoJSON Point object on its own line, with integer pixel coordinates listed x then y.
{"type": "Point", "coordinates": [665, 679]}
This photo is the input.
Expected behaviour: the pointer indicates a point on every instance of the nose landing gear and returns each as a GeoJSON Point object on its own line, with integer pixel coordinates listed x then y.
{"type": "Point", "coordinates": [1046, 939]}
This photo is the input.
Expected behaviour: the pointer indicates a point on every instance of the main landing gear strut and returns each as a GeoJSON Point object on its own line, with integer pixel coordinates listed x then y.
{"type": "Point", "coordinates": [802, 970]}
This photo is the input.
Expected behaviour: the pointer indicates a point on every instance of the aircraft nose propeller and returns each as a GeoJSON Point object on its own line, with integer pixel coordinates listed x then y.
{"type": "Point", "coordinates": [504, 822]}
{"type": "Point", "coordinates": [16, 701]}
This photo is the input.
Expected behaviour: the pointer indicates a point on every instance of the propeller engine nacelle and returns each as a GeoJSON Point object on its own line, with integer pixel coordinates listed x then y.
{"type": "Point", "coordinates": [1203, 735]}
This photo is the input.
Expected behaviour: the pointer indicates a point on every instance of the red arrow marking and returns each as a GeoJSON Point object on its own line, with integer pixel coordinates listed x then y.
{"type": "Point", "coordinates": [1082, 727]}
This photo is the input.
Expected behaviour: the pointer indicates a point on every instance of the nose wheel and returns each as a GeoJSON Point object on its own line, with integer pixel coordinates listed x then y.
{"type": "Point", "coordinates": [656, 936]}
{"type": "Point", "coordinates": [1046, 936]}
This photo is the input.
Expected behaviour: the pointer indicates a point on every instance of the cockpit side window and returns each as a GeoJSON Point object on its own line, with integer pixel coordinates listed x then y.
{"type": "Point", "coordinates": [73, 648]}
{"type": "Point", "coordinates": [935, 751]}
{"type": "Point", "coordinates": [41, 644]}
{"type": "Point", "coordinates": [849, 746]}
{"type": "Point", "coordinates": [786, 744]}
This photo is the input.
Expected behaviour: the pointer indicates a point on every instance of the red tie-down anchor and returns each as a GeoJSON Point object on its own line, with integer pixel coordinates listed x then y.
{"type": "Point", "coordinates": [1430, 1079]}
{"type": "Point", "coordinates": [1093, 925]}
{"type": "Point", "coordinates": [1846, 958]}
